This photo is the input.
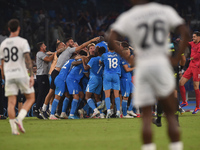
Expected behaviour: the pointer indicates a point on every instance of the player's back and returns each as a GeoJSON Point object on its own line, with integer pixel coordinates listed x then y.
{"type": "Point", "coordinates": [124, 74]}
{"type": "Point", "coordinates": [96, 69]}
{"type": "Point", "coordinates": [65, 69]}
{"type": "Point", "coordinates": [111, 62]}
{"type": "Point", "coordinates": [13, 50]}
{"type": "Point", "coordinates": [147, 27]}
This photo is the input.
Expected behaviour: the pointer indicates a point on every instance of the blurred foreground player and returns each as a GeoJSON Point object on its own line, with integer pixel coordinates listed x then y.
{"type": "Point", "coordinates": [15, 55]}
{"type": "Point", "coordinates": [148, 31]}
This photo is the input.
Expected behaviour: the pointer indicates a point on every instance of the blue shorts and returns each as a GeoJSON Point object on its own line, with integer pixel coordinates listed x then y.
{"type": "Point", "coordinates": [111, 81]}
{"type": "Point", "coordinates": [61, 87]}
{"type": "Point", "coordinates": [94, 85]}
{"type": "Point", "coordinates": [73, 86]}
{"type": "Point", "coordinates": [126, 87]}
{"type": "Point", "coordinates": [84, 82]}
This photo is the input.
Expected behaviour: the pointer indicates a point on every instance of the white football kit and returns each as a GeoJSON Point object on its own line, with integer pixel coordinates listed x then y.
{"type": "Point", "coordinates": [147, 28]}
{"type": "Point", "coordinates": [16, 76]}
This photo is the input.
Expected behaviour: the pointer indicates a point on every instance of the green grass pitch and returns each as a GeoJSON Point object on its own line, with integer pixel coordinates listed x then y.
{"type": "Point", "coordinates": [94, 134]}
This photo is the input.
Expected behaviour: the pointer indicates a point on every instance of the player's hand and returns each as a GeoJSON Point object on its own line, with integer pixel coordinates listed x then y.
{"type": "Point", "coordinates": [96, 39]}
{"type": "Point", "coordinates": [31, 81]}
{"type": "Point", "coordinates": [49, 53]}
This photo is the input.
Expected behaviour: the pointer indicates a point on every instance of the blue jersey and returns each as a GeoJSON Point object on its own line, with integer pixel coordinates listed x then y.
{"type": "Point", "coordinates": [77, 72]}
{"type": "Point", "coordinates": [124, 74]}
{"type": "Point", "coordinates": [102, 44]}
{"type": "Point", "coordinates": [96, 69]}
{"type": "Point", "coordinates": [111, 62]}
{"type": "Point", "coordinates": [65, 69]}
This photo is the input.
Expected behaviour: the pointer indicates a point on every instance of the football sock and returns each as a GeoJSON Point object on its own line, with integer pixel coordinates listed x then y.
{"type": "Point", "coordinates": [176, 146]}
{"type": "Point", "coordinates": [150, 146]}
{"type": "Point", "coordinates": [13, 124]}
{"type": "Point", "coordinates": [86, 107]}
{"type": "Point", "coordinates": [124, 107]}
{"type": "Point", "coordinates": [130, 108]}
{"type": "Point", "coordinates": [197, 97]}
{"type": "Point", "coordinates": [22, 114]}
{"type": "Point", "coordinates": [91, 103]}
{"type": "Point", "coordinates": [65, 104]}
{"type": "Point", "coordinates": [54, 106]}
{"type": "Point", "coordinates": [183, 94]}
{"type": "Point", "coordinates": [73, 107]}
{"type": "Point", "coordinates": [107, 100]}
{"type": "Point", "coordinates": [98, 104]}
{"type": "Point", "coordinates": [50, 106]}
{"type": "Point", "coordinates": [117, 103]}
{"type": "Point", "coordinates": [44, 107]}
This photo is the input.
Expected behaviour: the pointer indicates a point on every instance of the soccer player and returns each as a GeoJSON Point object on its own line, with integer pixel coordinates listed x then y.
{"type": "Point", "coordinates": [147, 25]}
{"type": "Point", "coordinates": [95, 82]}
{"type": "Point", "coordinates": [15, 58]}
{"type": "Point", "coordinates": [111, 79]}
{"type": "Point", "coordinates": [192, 71]}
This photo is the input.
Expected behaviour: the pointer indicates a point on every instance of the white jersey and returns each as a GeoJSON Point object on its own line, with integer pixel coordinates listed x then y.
{"type": "Point", "coordinates": [147, 27]}
{"type": "Point", "coordinates": [12, 51]}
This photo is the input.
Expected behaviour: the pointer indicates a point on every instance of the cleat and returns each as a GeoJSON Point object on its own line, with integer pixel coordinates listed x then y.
{"type": "Point", "coordinates": [15, 133]}
{"type": "Point", "coordinates": [57, 115]}
{"type": "Point", "coordinates": [63, 116]}
{"type": "Point", "coordinates": [108, 114]}
{"type": "Point", "coordinates": [183, 104]}
{"type": "Point", "coordinates": [48, 112]}
{"type": "Point", "coordinates": [20, 125]}
{"type": "Point", "coordinates": [118, 114]}
{"type": "Point", "coordinates": [53, 117]}
{"type": "Point", "coordinates": [102, 116]}
{"type": "Point", "coordinates": [154, 121]}
{"type": "Point", "coordinates": [128, 116]}
{"type": "Point", "coordinates": [196, 110]}
{"type": "Point", "coordinates": [95, 114]}
{"type": "Point", "coordinates": [42, 114]}
{"type": "Point", "coordinates": [181, 110]}
{"type": "Point", "coordinates": [102, 105]}
{"type": "Point", "coordinates": [138, 115]}
{"type": "Point", "coordinates": [131, 113]}
{"type": "Point", "coordinates": [81, 113]}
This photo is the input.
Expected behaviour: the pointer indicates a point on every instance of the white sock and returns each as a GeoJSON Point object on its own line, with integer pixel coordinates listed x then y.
{"type": "Point", "coordinates": [44, 107]}
{"type": "Point", "coordinates": [22, 114]}
{"type": "Point", "coordinates": [176, 146]}
{"type": "Point", "coordinates": [112, 111]}
{"type": "Point", "coordinates": [13, 125]}
{"type": "Point", "coordinates": [50, 107]}
{"type": "Point", "coordinates": [150, 146]}
{"type": "Point", "coordinates": [95, 110]}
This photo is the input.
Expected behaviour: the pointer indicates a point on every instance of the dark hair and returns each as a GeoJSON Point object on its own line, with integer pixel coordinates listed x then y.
{"type": "Point", "coordinates": [39, 45]}
{"type": "Point", "coordinates": [69, 38]}
{"type": "Point", "coordinates": [57, 44]}
{"type": "Point", "coordinates": [124, 44]}
{"type": "Point", "coordinates": [13, 24]}
{"type": "Point", "coordinates": [197, 33]}
{"type": "Point", "coordinates": [101, 50]}
{"type": "Point", "coordinates": [83, 53]}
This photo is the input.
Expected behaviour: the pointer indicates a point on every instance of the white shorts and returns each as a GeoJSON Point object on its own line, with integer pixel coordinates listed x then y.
{"type": "Point", "coordinates": [12, 86]}
{"type": "Point", "coordinates": [152, 82]}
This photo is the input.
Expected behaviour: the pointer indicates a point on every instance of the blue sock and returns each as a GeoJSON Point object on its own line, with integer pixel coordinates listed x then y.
{"type": "Point", "coordinates": [65, 104]}
{"type": "Point", "coordinates": [117, 103]}
{"type": "Point", "coordinates": [107, 101]}
{"type": "Point", "coordinates": [91, 103]}
{"type": "Point", "coordinates": [124, 107]}
{"type": "Point", "coordinates": [86, 107]}
{"type": "Point", "coordinates": [130, 108]}
{"type": "Point", "coordinates": [99, 103]}
{"type": "Point", "coordinates": [54, 106]}
{"type": "Point", "coordinates": [79, 102]}
{"type": "Point", "coordinates": [73, 106]}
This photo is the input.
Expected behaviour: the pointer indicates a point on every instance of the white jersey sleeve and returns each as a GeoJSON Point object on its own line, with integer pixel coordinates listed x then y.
{"type": "Point", "coordinates": [1, 52]}
{"type": "Point", "coordinates": [26, 47]}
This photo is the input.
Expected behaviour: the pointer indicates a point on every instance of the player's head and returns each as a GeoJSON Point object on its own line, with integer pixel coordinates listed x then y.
{"type": "Point", "coordinates": [195, 36]}
{"type": "Point", "coordinates": [69, 42]}
{"type": "Point", "coordinates": [14, 26]}
{"type": "Point", "coordinates": [41, 46]}
{"type": "Point", "coordinates": [34, 68]}
{"type": "Point", "coordinates": [91, 48]}
{"type": "Point", "coordinates": [101, 50]}
{"type": "Point", "coordinates": [123, 45]}
{"type": "Point", "coordinates": [127, 51]}
{"type": "Point", "coordinates": [60, 45]}
{"type": "Point", "coordinates": [83, 53]}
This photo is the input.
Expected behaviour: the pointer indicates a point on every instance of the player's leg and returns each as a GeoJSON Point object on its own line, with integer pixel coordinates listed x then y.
{"type": "Point", "coordinates": [116, 88]}
{"type": "Point", "coordinates": [197, 93]}
{"type": "Point", "coordinates": [74, 106]}
{"type": "Point", "coordinates": [157, 121]}
{"type": "Point", "coordinates": [186, 76]}
{"type": "Point", "coordinates": [65, 105]}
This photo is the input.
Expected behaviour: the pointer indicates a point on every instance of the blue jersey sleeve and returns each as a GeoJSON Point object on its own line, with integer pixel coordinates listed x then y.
{"type": "Point", "coordinates": [124, 62]}
{"type": "Point", "coordinates": [90, 63]}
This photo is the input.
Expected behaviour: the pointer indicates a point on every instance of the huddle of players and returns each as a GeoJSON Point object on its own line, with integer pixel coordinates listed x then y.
{"type": "Point", "coordinates": [104, 68]}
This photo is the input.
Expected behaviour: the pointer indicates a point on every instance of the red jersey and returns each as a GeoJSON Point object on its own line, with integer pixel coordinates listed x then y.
{"type": "Point", "coordinates": [195, 53]}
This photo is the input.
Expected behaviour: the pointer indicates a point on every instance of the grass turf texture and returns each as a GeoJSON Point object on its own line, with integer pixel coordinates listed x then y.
{"type": "Point", "coordinates": [98, 134]}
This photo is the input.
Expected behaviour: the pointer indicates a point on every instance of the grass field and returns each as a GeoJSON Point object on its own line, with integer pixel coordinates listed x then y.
{"type": "Point", "coordinates": [94, 134]}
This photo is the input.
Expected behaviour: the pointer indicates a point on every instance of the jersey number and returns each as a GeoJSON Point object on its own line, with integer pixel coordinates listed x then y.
{"type": "Point", "coordinates": [113, 62]}
{"type": "Point", "coordinates": [157, 28]}
{"type": "Point", "coordinates": [10, 54]}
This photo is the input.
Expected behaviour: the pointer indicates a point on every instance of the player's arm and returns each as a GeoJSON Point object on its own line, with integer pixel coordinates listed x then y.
{"type": "Point", "coordinates": [87, 43]}
{"type": "Point", "coordinates": [86, 74]}
{"type": "Point", "coordinates": [111, 42]}
{"type": "Point", "coordinates": [2, 70]}
{"type": "Point", "coordinates": [127, 69]}
{"type": "Point", "coordinates": [29, 66]}
{"type": "Point", "coordinates": [61, 50]}
{"type": "Point", "coordinates": [183, 31]}
{"type": "Point", "coordinates": [86, 67]}
{"type": "Point", "coordinates": [76, 63]}
{"type": "Point", "coordinates": [49, 58]}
